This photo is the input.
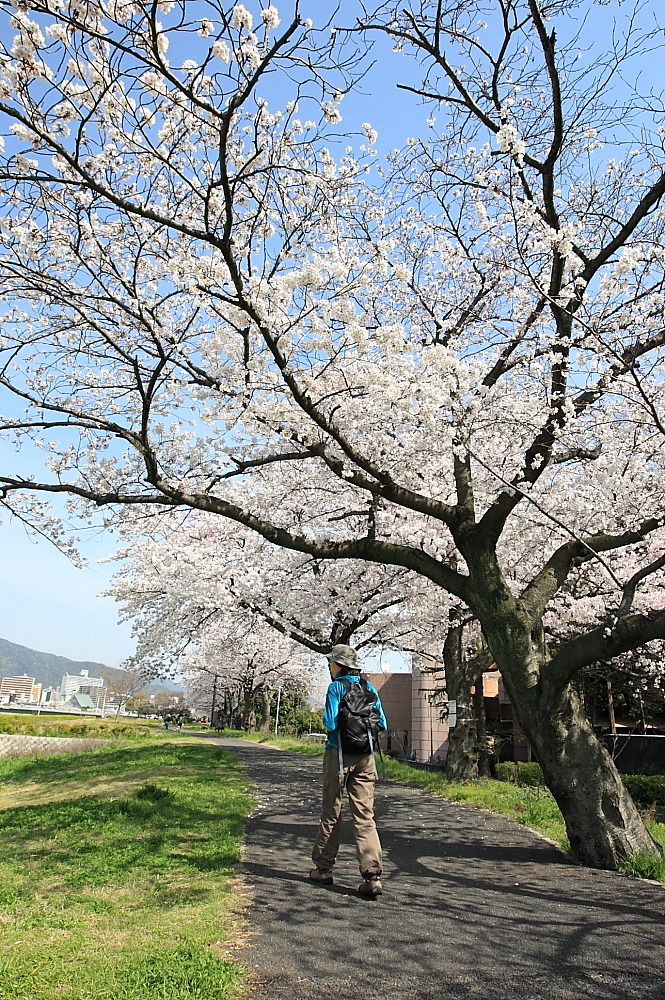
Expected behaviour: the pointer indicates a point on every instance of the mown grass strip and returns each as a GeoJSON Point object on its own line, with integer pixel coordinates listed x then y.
{"type": "Point", "coordinates": [295, 743]}
{"type": "Point", "coordinates": [115, 874]}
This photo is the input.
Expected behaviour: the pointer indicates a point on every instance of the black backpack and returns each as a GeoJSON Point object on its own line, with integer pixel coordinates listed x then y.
{"type": "Point", "coordinates": [358, 716]}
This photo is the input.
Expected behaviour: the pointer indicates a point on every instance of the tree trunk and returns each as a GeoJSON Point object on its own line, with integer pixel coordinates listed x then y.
{"type": "Point", "coordinates": [602, 822]}
{"type": "Point", "coordinates": [461, 762]}
{"type": "Point", "coordinates": [228, 709]}
{"type": "Point", "coordinates": [247, 706]}
{"type": "Point", "coordinates": [610, 708]}
{"type": "Point", "coordinates": [265, 697]}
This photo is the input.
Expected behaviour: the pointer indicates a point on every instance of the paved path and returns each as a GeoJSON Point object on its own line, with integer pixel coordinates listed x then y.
{"type": "Point", "coordinates": [475, 907]}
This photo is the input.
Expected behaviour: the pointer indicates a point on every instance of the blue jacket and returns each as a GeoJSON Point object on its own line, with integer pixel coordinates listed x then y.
{"type": "Point", "coordinates": [334, 695]}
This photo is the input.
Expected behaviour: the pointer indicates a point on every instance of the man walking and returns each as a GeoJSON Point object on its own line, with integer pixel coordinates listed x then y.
{"type": "Point", "coordinates": [359, 777]}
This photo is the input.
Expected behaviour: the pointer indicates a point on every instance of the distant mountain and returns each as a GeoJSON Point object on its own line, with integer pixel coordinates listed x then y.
{"type": "Point", "coordinates": [48, 669]}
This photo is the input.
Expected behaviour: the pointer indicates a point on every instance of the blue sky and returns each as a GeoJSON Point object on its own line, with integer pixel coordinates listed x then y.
{"type": "Point", "coordinates": [47, 603]}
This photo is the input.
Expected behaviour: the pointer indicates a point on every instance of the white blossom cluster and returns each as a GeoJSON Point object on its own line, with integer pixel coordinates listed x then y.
{"type": "Point", "coordinates": [204, 576]}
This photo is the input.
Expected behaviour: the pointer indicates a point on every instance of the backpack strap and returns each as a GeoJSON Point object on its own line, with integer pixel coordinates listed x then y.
{"type": "Point", "coordinates": [372, 748]}
{"type": "Point", "coordinates": [384, 776]}
{"type": "Point", "coordinates": [340, 753]}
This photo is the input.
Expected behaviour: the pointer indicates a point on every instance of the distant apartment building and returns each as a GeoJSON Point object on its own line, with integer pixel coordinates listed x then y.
{"type": "Point", "coordinates": [81, 690]}
{"type": "Point", "coordinates": [21, 688]}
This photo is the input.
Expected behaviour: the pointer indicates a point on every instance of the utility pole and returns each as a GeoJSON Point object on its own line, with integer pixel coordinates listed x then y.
{"type": "Point", "coordinates": [279, 698]}
{"type": "Point", "coordinates": [214, 700]}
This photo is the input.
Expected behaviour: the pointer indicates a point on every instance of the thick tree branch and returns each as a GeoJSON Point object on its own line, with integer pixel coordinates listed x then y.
{"type": "Point", "coordinates": [602, 643]}
{"type": "Point", "coordinates": [545, 585]}
{"type": "Point", "coordinates": [369, 549]}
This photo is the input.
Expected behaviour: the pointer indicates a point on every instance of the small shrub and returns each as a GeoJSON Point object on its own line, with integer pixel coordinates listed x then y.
{"type": "Point", "coordinates": [520, 773]}
{"type": "Point", "coordinates": [647, 790]}
{"type": "Point", "coordinates": [153, 793]}
{"type": "Point", "coordinates": [505, 771]}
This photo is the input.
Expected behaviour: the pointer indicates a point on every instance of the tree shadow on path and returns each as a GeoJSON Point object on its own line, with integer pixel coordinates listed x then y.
{"type": "Point", "coordinates": [474, 906]}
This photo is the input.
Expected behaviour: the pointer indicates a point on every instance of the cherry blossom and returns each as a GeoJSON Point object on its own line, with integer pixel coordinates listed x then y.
{"type": "Point", "coordinates": [447, 361]}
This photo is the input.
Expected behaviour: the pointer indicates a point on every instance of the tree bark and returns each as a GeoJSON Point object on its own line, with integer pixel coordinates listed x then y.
{"type": "Point", "coordinates": [461, 762]}
{"type": "Point", "coordinates": [247, 707]}
{"type": "Point", "coordinates": [602, 822]}
{"type": "Point", "coordinates": [264, 697]}
{"type": "Point", "coordinates": [610, 708]}
{"type": "Point", "coordinates": [484, 770]}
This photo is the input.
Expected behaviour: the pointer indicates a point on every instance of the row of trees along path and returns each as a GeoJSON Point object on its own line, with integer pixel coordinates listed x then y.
{"type": "Point", "coordinates": [445, 359]}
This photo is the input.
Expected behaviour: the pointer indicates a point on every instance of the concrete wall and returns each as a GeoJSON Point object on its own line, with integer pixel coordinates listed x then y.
{"type": "Point", "coordinates": [429, 737]}
{"type": "Point", "coordinates": [39, 746]}
{"type": "Point", "coordinates": [395, 693]}
{"type": "Point", "coordinates": [415, 722]}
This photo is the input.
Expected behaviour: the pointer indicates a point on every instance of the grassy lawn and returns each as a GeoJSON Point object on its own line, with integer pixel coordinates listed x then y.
{"type": "Point", "coordinates": [115, 873]}
{"type": "Point", "coordinates": [295, 743]}
{"type": "Point", "coordinates": [533, 807]}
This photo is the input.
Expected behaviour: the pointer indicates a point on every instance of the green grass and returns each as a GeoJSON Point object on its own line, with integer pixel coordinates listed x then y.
{"type": "Point", "coordinates": [643, 865]}
{"type": "Point", "coordinates": [115, 874]}
{"type": "Point", "coordinates": [294, 743]}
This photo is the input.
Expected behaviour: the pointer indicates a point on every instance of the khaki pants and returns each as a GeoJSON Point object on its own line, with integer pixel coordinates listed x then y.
{"type": "Point", "coordinates": [359, 771]}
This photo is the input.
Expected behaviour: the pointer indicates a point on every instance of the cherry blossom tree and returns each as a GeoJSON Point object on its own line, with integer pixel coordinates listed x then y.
{"type": "Point", "coordinates": [192, 573]}
{"type": "Point", "coordinates": [639, 674]}
{"type": "Point", "coordinates": [191, 616]}
{"type": "Point", "coordinates": [210, 303]}
{"type": "Point", "coordinates": [238, 668]}
{"type": "Point", "coordinates": [200, 586]}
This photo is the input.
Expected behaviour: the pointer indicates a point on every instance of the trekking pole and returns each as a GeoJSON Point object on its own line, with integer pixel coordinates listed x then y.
{"type": "Point", "coordinates": [340, 752]}
{"type": "Point", "coordinates": [384, 777]}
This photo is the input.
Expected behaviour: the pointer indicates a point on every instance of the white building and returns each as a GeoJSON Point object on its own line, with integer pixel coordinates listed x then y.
{"type": "Point", "coordinates": [73, 684]}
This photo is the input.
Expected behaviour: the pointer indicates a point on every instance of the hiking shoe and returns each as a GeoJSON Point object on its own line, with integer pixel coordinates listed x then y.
{"type": "Point", "coordinates": [321, 875]}
{"type": "Point", "coordinates": [370, 887]}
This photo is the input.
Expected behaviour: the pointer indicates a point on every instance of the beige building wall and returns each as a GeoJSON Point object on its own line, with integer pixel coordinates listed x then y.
{"type": "Point", "coordinates": [395, 693]}
{"type": "Point", "coordinates": [415, 725]}
{"type": "Point", "coordinates": [429, 737]}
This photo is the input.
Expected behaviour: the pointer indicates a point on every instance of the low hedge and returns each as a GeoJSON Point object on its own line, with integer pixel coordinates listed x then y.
{"type": "Point", "coordinates": [43, 726]}
{"type": "Point", "coordinates": [647, 790]}
{"type": "Point", "coordinates": [520, 774]}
